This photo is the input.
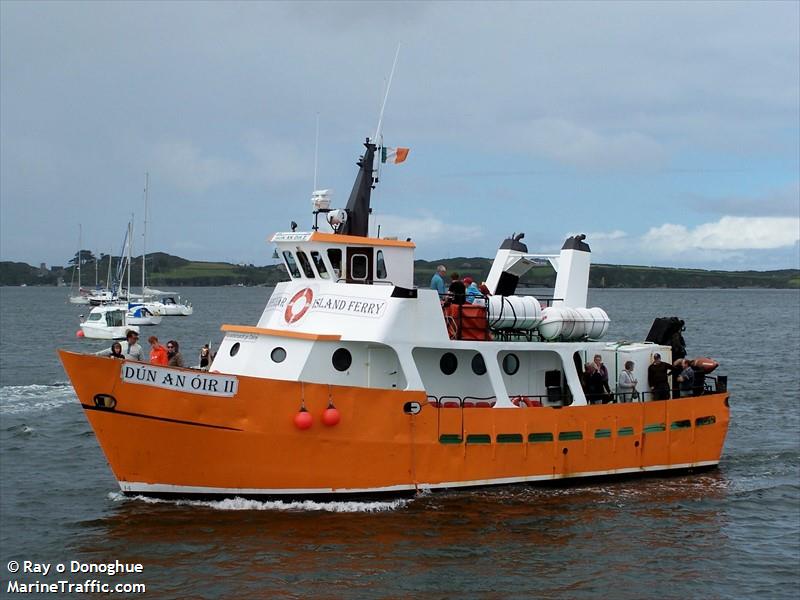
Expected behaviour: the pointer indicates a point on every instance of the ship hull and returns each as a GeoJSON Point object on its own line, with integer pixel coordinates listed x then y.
{"type": "Point", "coordinates": [167, 442]}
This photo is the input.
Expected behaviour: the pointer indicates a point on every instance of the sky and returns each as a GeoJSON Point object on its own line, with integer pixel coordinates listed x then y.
{"type": "Point", "coordinates": [668, 133]}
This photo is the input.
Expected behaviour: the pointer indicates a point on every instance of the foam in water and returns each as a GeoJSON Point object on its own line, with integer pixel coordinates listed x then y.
{"type": "Point", "coordinates": [19, 399]}
{"type": "Point", "coordinates": [348, 506]}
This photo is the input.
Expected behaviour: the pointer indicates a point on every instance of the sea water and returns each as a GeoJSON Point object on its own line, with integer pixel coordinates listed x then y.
{"type": "Point", "coordinates": [729, 533]}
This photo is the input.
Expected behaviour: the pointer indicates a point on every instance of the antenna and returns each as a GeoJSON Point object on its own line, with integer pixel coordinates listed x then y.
{"type": "Point", "coordinates": [386, 96]}
{"type": "Point", "coordinates": [316, 155]}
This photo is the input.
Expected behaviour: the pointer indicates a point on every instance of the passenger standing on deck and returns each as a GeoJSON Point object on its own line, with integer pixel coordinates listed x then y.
{"type": "Point", "coordinates": [115, 351]}
{"type": "Point", "coordinates": [158, 354]}
{"type": "Point", "coordinates": [174, 355]}
{"type": "Point", "coordinates": [601, 369]}
{"type": "Point", "coordinates": [437, 281]}
{"type": "Point", "coordinates": [458, 290]}
{"type": "Point", "coordinates": [594, 384]}
{"type": "Point", "coordinates": [657, 378]}
{"type": "Point", "coordinates": [205, 357]}
{"type": "Point", "coordinates": [686, 379]}
{"type": "Point", "coordinates": [134, 350]}
{"type": "Point", "coordinates": [472, 290]}
{"type": "Point", "coordinates": [626, 384]}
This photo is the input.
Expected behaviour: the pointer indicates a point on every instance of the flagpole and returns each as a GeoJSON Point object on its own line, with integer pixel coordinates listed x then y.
{"type": "Point", "coordinates": [316, 155]}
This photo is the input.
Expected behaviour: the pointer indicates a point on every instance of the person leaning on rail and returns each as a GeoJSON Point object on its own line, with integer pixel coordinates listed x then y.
{"type": "Point", "coordinates": [131, 351]}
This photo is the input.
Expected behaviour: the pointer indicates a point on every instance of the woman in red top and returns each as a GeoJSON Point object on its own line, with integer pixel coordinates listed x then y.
{"type": "Point", "coordinates": [158, 354]}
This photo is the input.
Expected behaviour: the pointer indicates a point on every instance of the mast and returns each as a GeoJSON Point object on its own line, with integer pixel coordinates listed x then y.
{"type": "Point", "coordinates": [358, 208]}
{"type": "Point", "coordinates": [130, 244]}
{"type": "Point", "coordinates": [144, 233]}
{"type": "Point", "coordinates": [80, 245]}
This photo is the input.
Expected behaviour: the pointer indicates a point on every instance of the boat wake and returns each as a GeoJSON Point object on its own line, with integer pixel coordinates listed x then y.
{"type": "Point", "coordinates": [20, 399]}
{"type": "Point", "coordinates": [348, 506]}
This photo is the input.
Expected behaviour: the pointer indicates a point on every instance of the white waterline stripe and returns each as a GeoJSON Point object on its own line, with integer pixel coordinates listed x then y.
{"type": "Point", "coordinates": [136, 487]}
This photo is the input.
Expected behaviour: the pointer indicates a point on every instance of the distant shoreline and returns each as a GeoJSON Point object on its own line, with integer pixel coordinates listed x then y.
{"type": "Point", "coordinates": [165, 270]}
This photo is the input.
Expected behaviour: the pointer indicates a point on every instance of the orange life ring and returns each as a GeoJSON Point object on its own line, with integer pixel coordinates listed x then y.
{"type": "Point", "coordinates": [289, 314]}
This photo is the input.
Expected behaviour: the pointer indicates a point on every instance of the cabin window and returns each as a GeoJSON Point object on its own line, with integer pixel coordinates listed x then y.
{"type": "Point", "coordinates": [448, 363]}
{"type": "Point", "coordinates": [320, 264]}
{"type": "Point", "coordinates": [115, 318]}
{"type": "Point", "coordinates": [510, 364]}
{"type": "Point", "coordinates": [342, 359]}
{"type": "Point", "coordinates": [335, 256]}
{"type": "Point", "coordinates": [235, 349]}
{"type": "Point", "coordinates": [380, 266]}
{"type": "Point", "coordinates": [478, 365]}
{"type": "Point", "coordinates": [94, 317]}
{"type": "Point", "coordinates": [305, 264]}
{"type": "Point", "coordinates": [358, 267]}
{"type": "Point", "coordinates": [291, 264]}
{"type": "Point", "coordinates": [278, 354]}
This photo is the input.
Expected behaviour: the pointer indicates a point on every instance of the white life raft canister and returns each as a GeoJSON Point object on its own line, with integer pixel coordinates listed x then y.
{"type": "Point", "coordinates": [562, 322]}
{"type": "Point", "coordinates": [514, 312]}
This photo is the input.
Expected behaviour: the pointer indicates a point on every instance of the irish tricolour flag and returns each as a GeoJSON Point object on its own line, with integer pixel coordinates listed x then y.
{"type": "Point", "coordinates": [393, 155]}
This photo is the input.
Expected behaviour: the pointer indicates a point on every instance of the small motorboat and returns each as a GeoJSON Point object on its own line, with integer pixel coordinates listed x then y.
{"type": "Point", "coordinates": [107, 322]}
{"type": "Point", "coordinates": [139, 314]}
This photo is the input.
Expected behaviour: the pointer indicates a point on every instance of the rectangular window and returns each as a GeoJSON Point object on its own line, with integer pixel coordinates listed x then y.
{"type": "Point", "coordinates": [291, 264]}
{"type": "Point", "coordinates": [602, 433]}
{"type": "Point", "coordinates": [335, 256]}
{"type": "Point", "coordinates": [655, 427]}
{"type": "Point", "coordinates": [545, 436]}
{"type": "Point", "coordinates": [358, 267]}
{"type": "Point", "coordinates": [320, 264]}
{"type": "Point", "coordinates": [623, 431]}
{"type": "Point", "coordinates": [305, 264]}
{"type": "Point", "coordinates": [509, 438]}
{"type": "Point", "coordinates": [567, 436]}
{"type": "Point", "coordinates": [684, 424]}
{"type": "Point", "coordinates": [479, 438]}
{"type": "Point", "coordinates": [380, 266]}
{"type": "Point", "coordinates": [702, 421]}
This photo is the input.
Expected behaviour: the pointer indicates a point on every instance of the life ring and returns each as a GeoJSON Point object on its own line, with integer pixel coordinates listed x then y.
{"type": "Point", "coordinates": [292, 316]}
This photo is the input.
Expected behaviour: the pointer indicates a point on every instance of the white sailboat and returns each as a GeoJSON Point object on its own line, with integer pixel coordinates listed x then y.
{"type": "Point", "coordinates": [140, 311]}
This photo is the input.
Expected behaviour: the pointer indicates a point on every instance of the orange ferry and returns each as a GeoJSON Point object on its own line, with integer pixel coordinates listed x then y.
{"type": "Point", "coordinates": [355, 381]}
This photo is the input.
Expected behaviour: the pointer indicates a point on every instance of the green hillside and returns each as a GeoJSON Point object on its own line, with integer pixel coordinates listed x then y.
{"type": "Point", "coordinates": [165, 270]}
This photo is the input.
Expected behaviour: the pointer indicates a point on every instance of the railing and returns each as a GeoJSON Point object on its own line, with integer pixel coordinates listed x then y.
{"type": "Point", "coordinates": [557, 401]}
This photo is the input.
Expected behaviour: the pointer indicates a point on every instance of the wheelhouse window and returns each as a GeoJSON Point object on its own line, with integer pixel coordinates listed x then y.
{"type": "Point", "coordinates": [380, 266]}
{"type": "Point", "coordinates": [115, 318]}
{"type": "Point", "coordinates": [94, 317]}
{"type": "Point", "coordinates": [291, 264]}
{"type": "Point", "coordinates": [335, 256]}
{"type": "Point", "coordinates": [305, 264]}
{"type": "Point", "coordinates": [358, 267]}
{"type": "Point", "coordinates": [320, 265]}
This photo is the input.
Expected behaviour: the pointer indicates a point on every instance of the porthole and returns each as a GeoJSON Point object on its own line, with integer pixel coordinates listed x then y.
{"type": "Point", "coordinates": [235, 349]}
{"type": "Point", "coordinates": [448, 363]}
{"type": "Point", "coordinates": [278, 354]}
{"type": "Point", "coordinates": [342, 359]}
{"type": "Point", "coordinates": [478, 365]}
{"type": "Point", "coordinates": [510, 364]}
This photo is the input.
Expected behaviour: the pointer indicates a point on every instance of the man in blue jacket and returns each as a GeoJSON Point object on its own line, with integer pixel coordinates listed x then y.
{"type": "Point", "coordinates": [437, 281]}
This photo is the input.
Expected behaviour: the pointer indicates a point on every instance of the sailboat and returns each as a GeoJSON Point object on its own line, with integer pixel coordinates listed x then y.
{"type": "Point", "coordinates": [140, 311]}
{"type": "Point", "coordinates": [157, 301]}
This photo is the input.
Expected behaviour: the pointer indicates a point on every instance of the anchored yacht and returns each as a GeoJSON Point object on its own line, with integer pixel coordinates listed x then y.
{"type": "Point", "coordinates": [354, 381]}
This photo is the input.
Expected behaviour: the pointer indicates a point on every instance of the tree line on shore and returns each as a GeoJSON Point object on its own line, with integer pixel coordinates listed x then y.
{"type": "Point", "coordinates": [167, 270]}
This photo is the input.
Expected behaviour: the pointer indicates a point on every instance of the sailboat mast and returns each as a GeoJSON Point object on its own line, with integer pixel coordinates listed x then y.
{"type": "Point", "coordinates": [80, 246]}
{"type": "Point", "coordinates": [130, 243]}
{"type": "Point", "coordinates": [144, 233]}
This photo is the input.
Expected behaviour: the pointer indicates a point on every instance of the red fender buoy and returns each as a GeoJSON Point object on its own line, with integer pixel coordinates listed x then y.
{"type": "Point", "coordinates": [79, 333]}
{"type": "Point", "coordinates": [303, 419]}
{"type": "Point", "coordinates": [331, 416]}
